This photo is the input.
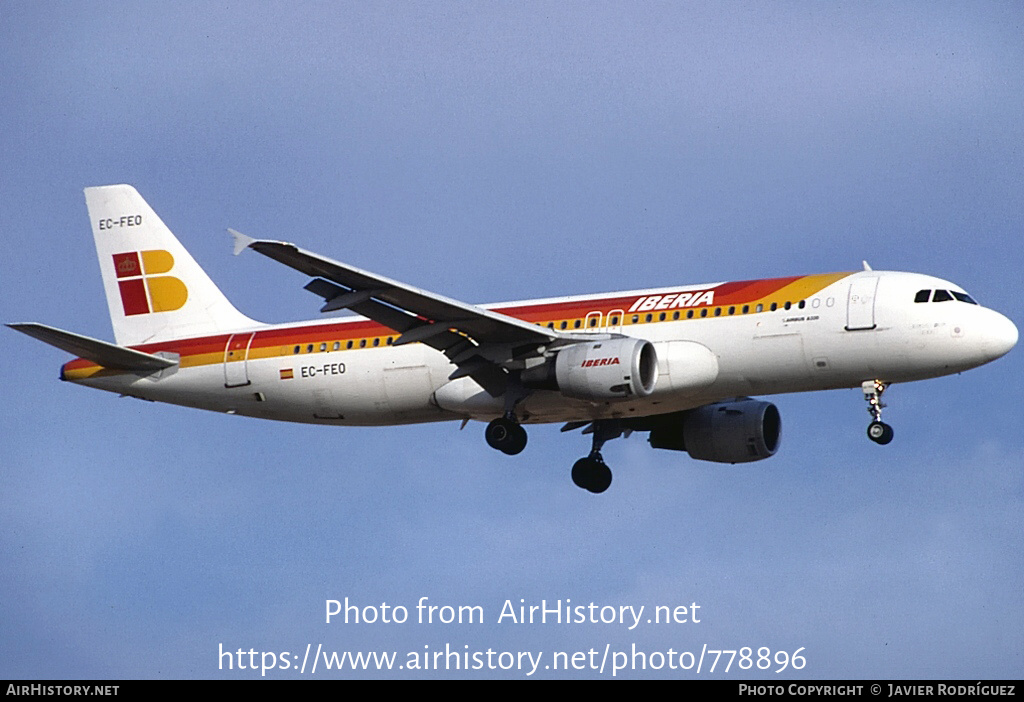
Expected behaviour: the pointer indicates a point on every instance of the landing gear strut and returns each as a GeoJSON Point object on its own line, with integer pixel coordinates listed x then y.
{"type": "Point", "coordinates": [878, 431]}
{"type": "Point", "coordinates": [592, 473]}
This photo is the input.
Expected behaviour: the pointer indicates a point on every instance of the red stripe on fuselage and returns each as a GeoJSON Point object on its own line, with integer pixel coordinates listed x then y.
{"type": "Point", "coordinates": [731, 293]}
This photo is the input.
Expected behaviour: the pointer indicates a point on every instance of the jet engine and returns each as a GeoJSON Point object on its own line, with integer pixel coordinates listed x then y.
{"type": "Point", "coordinates": [738, 431]}
{"type": "Point", "coordinates": [599, 371]}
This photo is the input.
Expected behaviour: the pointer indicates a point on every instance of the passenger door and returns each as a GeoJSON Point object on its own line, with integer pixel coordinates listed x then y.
{"type": "Point", "coordinates": [860, 306]}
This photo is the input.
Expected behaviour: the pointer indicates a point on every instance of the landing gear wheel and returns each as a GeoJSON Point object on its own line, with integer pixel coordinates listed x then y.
{"type": "Point", "coordinates": [592, 474]}
{"type": "Point", "coordinates": [505, 435]}
{"type": "Point", "coordinates": [880, 433]}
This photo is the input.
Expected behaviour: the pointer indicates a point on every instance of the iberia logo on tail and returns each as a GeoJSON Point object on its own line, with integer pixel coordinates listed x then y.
{"type": "Point", "coordinates": [143, 289]}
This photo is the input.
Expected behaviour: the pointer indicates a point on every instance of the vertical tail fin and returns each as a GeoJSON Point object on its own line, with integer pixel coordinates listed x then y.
{"type": "Point", "coordinates": [155, 289]}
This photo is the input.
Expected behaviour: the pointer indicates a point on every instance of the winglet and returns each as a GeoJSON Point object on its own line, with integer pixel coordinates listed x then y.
{"type": "Point", "coordinates": [866, 266]}
{"type": "Point", "coordinates": [242, 242]}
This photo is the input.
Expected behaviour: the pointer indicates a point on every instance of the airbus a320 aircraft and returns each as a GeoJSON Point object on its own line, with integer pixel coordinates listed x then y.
{"type": "Point", "coordinates": [676, 362]}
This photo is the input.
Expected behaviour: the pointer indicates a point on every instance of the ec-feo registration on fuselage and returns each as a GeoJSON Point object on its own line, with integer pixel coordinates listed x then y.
{"type": "Point", "coordinates": [676, 362]}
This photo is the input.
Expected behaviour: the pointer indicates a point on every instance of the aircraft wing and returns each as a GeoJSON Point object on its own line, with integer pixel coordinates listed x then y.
{"type": "Point", "coordinates": [418, 315]}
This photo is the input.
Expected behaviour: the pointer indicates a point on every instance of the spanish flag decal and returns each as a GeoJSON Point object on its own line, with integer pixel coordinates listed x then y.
{"type": "Point", "coordinates": [287, 374]}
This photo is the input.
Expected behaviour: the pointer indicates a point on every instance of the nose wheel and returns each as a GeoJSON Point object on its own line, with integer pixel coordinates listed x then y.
{"type": "Point", "coordinates": [878, 431]}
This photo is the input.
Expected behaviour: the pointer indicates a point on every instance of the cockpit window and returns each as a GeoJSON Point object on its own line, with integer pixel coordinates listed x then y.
{"type": "Point", "coordinates": [943, 296]}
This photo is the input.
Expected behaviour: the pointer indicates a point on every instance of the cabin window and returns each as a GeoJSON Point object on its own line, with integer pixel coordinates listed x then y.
{"type": "Point", "coordinates": [362, 343]}
{"type": "Point", "coordinates": [563, 325]}
{"type": "Point", "coordinates": [718, 311]}
{"type": "Point", "coordinates": [648, 318]}
{"type": "Point", "coordinates": [323, 346]}
{"type": "Point", "coordinates": [704, 312]}
{"type": "Point", "coordinates": [732, 310]}
{"type": "Point", "coordinates": [689, 314]}
{"type": "Point", "coordinates": [376, 342]}
{"type": "Point", "coordinates": [309, 348]}
{"type": "Point", "coordinates": [592, 322]}
{"type": "Point", "coordinates": [775, 306]}
{"type": "Point", "coordinates": [348, 345]}
{"type": "Point", "coordinates": [661, 317]}
{"type": "Point", "coordinates": [675, 315]}
{"type": "Point", "coordinates": [615, 320]}
{"type": "Point", "coordinates": [636, 319]}
{"type": "Point", "coordinates": [337, 345]}
{"type": "Point", "coordinates": [577, 324]}
{"type": "Point", "coordinates": [803, 303]}
{"type": "Point", "coordinates": [787, 305]}
{"type": "Point", "coordinates": [759, 308]}
{"type": "Point", "coordinates": [298, 348]}
{"type": "Point", "coordinates": [746, 309]}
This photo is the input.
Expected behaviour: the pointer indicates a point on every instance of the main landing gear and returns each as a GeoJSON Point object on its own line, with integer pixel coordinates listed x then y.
{"type": "Point", "coordinates": [878, 431]}
{"type": "Point", "coordinates": [592, 473]}
{"type": "Point", "coordinates": [506, 434]}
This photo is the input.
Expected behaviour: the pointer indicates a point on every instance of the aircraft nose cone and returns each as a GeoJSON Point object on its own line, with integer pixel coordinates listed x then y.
{"type": "Point", "coordinates": [1001, 336]}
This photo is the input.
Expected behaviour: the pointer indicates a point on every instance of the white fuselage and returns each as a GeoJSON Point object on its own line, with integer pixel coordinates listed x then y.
{"type": "Point", "coordinates": [863, 326]}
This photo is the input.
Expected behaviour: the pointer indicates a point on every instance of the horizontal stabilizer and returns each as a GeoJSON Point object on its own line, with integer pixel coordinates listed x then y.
{"type": "Point", "coordinates": [102, 352]}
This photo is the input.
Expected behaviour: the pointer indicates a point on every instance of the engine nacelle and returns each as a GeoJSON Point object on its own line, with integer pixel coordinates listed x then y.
{"type": "Point", "coordinates": [684, 367]}
{"type": "Point", "coordinates": [739, 431]}
{"type": "Point", "coordinates": [613, 369]}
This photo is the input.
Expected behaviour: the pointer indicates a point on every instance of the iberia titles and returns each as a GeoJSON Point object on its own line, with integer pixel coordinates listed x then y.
{"type": "Point", "coordinates": [672, 301]}
{"type": "Point", "coordinates": [591, 362]}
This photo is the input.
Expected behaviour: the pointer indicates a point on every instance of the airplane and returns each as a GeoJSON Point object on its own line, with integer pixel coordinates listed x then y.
{"type": "Point", "coordinates": [677, 362]}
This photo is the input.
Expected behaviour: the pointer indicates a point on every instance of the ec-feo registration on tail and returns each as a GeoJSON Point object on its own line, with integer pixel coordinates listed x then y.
{"type": "Point", "coordinates": [676, 362]}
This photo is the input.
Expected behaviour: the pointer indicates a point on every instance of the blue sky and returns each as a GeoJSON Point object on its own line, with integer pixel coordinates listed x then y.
{"type": "Point", "coordinates": [496, 151]}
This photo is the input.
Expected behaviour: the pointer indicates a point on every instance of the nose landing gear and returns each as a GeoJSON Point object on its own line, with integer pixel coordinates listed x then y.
{"type": "Point", "coordinates": [878, 431]}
